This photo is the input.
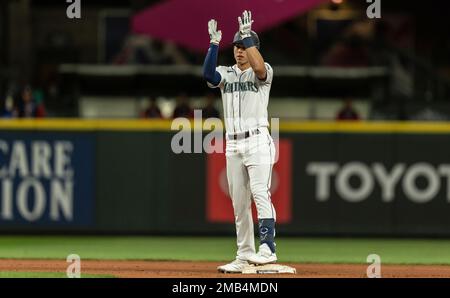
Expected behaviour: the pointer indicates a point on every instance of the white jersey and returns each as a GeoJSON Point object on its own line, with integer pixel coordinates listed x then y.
{"type": "Point", "coordinates": [245, 98]}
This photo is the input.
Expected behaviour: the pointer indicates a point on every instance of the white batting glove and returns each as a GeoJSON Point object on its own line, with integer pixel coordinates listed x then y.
{"type": "Point", "coordinates": [215, 35]}
{"type": "Point", "coordinates": [245, 24]}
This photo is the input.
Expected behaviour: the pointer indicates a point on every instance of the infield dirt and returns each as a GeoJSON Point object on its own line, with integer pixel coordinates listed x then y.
{"type": "Point", "coordinates": [181, 269]}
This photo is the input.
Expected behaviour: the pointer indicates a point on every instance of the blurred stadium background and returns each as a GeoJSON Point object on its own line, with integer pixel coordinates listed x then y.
{"type": "Point", "coordinates": [107, 64]}
{"type": "Point", "coordinates": [87, 104]}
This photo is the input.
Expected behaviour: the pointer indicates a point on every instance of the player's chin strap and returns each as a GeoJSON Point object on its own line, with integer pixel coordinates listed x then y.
{"type": "Point", "coordinates": [267, 232]}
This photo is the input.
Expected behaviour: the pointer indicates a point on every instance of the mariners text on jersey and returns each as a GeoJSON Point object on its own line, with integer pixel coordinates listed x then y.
{"type": "Point", "coordinates": [245, 97]}
{"type": "Point", "coordinates": [238, 86]}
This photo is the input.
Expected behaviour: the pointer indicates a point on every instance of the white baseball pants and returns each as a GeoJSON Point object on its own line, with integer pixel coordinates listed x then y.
{"type": "Point", "coordinates": [249, 173]}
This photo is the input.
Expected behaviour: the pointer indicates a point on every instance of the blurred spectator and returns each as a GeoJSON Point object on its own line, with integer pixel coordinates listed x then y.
{"type": "Point", "coordinates": [348, 53]}
{"type": "Point", "coordinates": [153, 111]}
{"type": "Point", "coordinates": [39, 111]}
{"type": "Point", "coordinates": [347, 112]}
{"type": "Point", "coordinates": [25, 104]}
{"type": "Point", "coordinates": [351, 50]}
{"type": "Point", "coordinates": [183, 109]}
{"type": "Point", "coordinates": [210, 111]}
{"type": "Point", "coordinates": [142, 49]}
{"type": "Point", "coordinates": [138, 49]}
{"type": "Point", "coordinates": [7, 108]}
{"type": "Point", "coordinates": [31, 105]}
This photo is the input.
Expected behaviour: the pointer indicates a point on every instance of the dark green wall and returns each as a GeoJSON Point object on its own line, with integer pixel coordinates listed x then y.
{"type": "Point", "coordinates": [141, 186]}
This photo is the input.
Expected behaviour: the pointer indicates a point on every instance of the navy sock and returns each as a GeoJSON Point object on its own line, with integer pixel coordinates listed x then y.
{"type": "Point", "coordinates": [267, 232]}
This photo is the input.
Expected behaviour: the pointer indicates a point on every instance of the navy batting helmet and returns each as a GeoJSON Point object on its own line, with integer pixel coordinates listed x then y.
{"type": "Point", "coordinates": [238, 40]}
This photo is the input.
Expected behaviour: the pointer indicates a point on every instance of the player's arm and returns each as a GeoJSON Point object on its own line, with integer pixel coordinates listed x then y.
{"type": "Point", "coordinates": [253, 55]}
{"type": "Point", "coordinates": [256, 60]}
{"type": "Point", "coordinates": [210, 73]}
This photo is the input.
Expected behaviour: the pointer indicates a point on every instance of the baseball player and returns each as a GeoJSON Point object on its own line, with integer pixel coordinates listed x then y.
{"type": "Point", "coordinates": [250, 150]}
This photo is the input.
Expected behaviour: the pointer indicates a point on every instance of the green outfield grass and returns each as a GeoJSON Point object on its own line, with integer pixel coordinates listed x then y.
{"type": "Point", "coordinates": [311, 250]}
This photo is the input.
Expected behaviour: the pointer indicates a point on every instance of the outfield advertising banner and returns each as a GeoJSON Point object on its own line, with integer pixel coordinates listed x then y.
{"type": "Point", "coordinates": [378, 179]}
{"type": "Point", "coordinates": [372, 184]}
{"type": "Point", "coordinates": [46, 179]}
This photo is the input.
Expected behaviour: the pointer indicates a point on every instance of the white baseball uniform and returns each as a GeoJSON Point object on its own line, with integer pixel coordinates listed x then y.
{"type": "Point", "coordinates": [249, 159]}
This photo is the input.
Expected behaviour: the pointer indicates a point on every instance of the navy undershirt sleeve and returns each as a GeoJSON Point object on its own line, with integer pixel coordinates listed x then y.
{"type": "Point", "coordinates": [209, 67]}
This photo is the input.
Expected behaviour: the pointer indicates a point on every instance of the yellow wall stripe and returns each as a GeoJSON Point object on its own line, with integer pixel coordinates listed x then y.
{"type": "Point", "coordinates": [165, 125]}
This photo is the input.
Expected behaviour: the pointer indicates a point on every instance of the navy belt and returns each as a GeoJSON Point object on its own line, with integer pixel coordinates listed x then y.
{"type": "Point", "coordinates": [243, 135]}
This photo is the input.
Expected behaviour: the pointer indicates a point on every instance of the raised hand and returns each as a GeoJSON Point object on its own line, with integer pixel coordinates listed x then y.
{"type": "Point", "coordinates": [245, 24]}
{"type": "Point", "coordinates": [214, 35]}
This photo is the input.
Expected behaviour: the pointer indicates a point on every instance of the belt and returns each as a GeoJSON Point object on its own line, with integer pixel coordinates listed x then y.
{"type": "Point", "coordinates": [243, 135]}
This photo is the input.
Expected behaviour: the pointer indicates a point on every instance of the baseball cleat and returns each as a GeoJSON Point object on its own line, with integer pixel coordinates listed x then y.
{"type": "Point", "coordinates": [264, 256]}
{"type": "Point", "coordinates": [237, 266]}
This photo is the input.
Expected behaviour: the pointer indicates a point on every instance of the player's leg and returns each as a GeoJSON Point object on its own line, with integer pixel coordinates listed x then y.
{"type": "Point", "coordinates": [259, 166]}
{"type": "Point", "coordinates": [239, 188]}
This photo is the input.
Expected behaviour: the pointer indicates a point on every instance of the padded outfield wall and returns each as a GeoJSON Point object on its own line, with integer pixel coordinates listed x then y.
{"type": "Point", "coordinates": [121, 176]}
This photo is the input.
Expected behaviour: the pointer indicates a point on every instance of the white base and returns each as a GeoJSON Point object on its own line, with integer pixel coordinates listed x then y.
{"type": "Point", "coordinates": [268, 269]}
